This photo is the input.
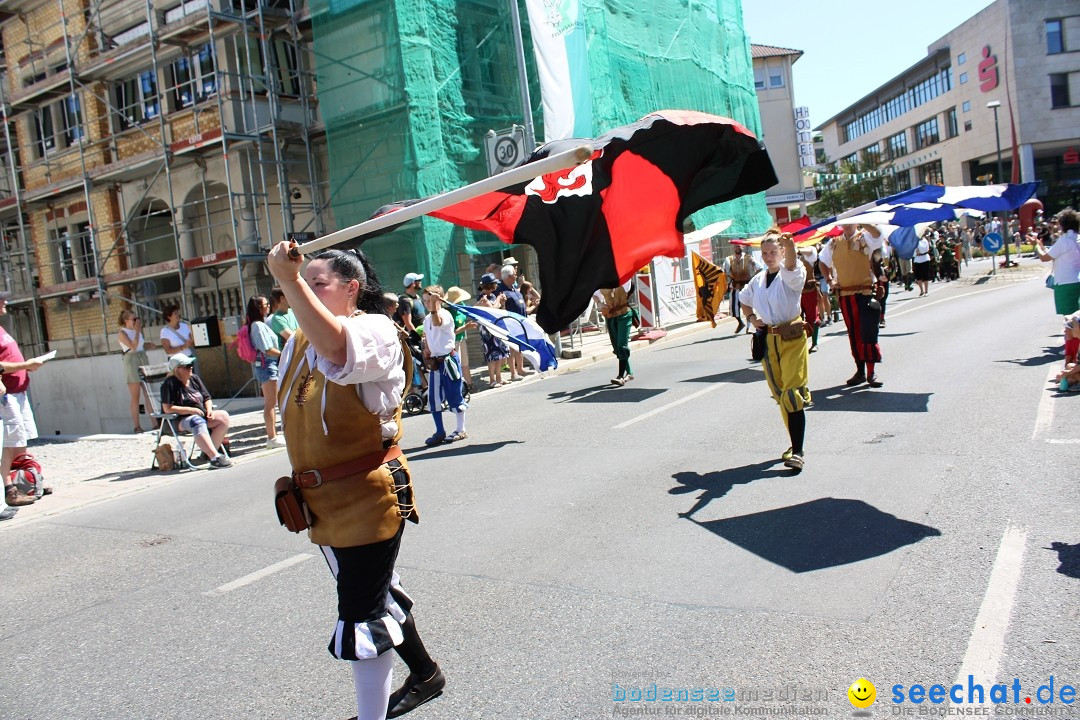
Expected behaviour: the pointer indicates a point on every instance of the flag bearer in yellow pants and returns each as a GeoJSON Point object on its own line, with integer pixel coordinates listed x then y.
{"type": "Point", "coordinates": [771, 301]}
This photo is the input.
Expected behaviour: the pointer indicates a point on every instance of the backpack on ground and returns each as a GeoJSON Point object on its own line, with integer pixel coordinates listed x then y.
{"type": "Point", "coordinates": [26, 475]}
{"type": "Point", "coordinates": [242, 345]}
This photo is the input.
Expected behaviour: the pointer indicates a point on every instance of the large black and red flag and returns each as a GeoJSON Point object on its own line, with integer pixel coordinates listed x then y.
{"type": "Point", "coordinates": [593, 226]}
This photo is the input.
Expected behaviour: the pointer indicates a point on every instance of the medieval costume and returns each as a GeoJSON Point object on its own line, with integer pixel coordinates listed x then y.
{"type": "Point", "coordinates": [853, 279]}
{"type": "Point", "coordinates": [615, 307]}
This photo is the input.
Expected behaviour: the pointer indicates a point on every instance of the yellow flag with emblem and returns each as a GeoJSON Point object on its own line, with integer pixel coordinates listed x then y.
{"type": "Point", "coordinates": [711, 284]}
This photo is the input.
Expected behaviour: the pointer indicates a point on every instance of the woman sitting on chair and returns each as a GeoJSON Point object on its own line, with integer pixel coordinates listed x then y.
{"type": "Point", "coordinates": [184, 394]}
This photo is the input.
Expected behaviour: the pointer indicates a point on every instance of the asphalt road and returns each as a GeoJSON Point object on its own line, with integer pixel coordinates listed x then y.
{"type": "Point", "coordinates": [591, 540]}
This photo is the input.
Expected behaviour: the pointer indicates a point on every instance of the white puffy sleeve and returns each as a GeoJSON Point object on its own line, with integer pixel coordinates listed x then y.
{"type": "Point", "coordinates": [372, 349]}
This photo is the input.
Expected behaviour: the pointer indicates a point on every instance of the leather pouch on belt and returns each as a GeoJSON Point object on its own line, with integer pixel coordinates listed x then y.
{"type": "Point", "coordinates": [792, 331]}
{"type": "Point", "coordinates": [291, 511]}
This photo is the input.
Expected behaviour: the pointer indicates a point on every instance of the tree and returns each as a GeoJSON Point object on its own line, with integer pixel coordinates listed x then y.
{"type": "Point", "coordinates": [865, 184]}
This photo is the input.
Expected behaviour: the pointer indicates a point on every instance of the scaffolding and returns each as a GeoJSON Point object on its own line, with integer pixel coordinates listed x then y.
{"type": "Point", "coordinates": [153, 152]}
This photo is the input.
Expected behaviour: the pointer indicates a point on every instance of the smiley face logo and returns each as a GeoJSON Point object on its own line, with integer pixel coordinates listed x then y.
{"type": "Point", "coordinates": [862, 693]}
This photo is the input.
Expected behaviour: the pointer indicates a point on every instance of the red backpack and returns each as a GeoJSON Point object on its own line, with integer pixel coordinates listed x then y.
{"type": "Point", "coordinates": [243, 345]}
{"type": "Point", "coordinates": [27, 476]}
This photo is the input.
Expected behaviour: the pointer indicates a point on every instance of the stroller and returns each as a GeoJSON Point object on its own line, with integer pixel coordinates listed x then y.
{"type": "Point", "coordinates": [416, 400]}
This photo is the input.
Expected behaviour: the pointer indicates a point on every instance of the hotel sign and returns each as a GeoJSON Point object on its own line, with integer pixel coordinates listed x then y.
{"type": "Point", "coordinates": [804, 137]}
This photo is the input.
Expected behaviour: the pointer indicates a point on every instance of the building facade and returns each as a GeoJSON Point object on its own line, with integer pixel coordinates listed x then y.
{"type": "Point", "coordinates": [932, 124]}
{"type": "Point", "coordinates": [785, 131]}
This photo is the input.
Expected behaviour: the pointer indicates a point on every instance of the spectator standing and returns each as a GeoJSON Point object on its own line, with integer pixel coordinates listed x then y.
{"type": "Point", "coordinates": [133, 347]}
{"type": "Point", "coordinates": [176, 335]}
{"type": "Point", "coordinates": [444, 369]}
{"type": "Point", "coordinates": [921, 264]}
{"type": "Point", "coordinates": [267, 352]}
{"type": "Point", "coordinates": [282, 321]}
{"type": "Point", "coordinates": [495, 350]}
{"type": "Point", "coordinates": [966, 238]}
{"type": "Point", "coordinates": [184, 393]}
{"type": "Point", "coordinates": [411, 309]}
{"type": "Point", "coordinates": [514, 303]}
{"type": "Point", "coordinates": [462, 325]}
{"type": "Point", "coordinates": [18, 417]}
{"type": "Point", "coordinates": [1065, 254]}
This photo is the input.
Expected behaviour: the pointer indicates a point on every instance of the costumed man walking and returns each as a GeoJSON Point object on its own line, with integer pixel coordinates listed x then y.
{"type": "Point", "coordinates": [615, 307]}
{"type": "Point", "coordinates": [846, 261]}
{"type": "Point", "coordinates": [772, 302]}
{"type": "Point", "coordinates": [444, 369]}
{"type": "Point", "coordinates": [739, 268]}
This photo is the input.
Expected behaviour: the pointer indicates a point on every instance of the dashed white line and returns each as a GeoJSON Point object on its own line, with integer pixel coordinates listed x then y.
{"type": "Point", "coordinates": [668, 406]}
{"type": "Point", "coordinates": [258, 575]}
{"type": "Point", "coordinates": [987, 642]}
{"type": "Point", "coordinates": [1044, 417]}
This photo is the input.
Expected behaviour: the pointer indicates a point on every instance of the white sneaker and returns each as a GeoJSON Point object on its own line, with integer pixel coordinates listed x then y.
{"type": "Point", "coordinates": [276, 442]}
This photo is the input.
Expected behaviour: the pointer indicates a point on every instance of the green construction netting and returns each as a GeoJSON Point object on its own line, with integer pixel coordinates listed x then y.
{"type": "Point", "coordinates": [408, 88]}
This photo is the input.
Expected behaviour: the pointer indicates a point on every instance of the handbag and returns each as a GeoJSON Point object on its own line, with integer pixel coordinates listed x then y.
{"type": "Point", "coordinates": [292, 512]}
{"type": "Point", "coordinates": [1050, 281]}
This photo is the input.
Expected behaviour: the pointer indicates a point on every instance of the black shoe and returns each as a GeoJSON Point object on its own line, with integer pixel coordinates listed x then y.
{"type": "Point", "coordinates": [856, 379]}
{"type": "Point", "coordinates": [414, 693]}
{"type": "Point", "coordinates": [874, 382]}
{"type": "Point", "coordinates": [739, 329]}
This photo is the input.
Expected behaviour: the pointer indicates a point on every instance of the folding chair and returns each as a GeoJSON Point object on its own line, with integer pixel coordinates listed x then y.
{"type": "Point", "coordinates": [152, 376]}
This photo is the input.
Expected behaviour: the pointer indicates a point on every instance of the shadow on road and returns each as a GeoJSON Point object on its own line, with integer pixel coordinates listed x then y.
{"type": "Point", "coordinates": [716, 485]}
{"type": "Point", "coordinates": [455, 450]}
{"type": "Point", "coordinates": [1069, 557]}
{"type": "Point", "coordinates": [1050, 355]}
{"type": "Point", "coordinates": [842, 398]}
{"type": "Point", "coordinates": [822, 533]}
{"type": "Point", "coordinates": [742, 376]}
{"type": "Point", "coordinates": [607, 394]}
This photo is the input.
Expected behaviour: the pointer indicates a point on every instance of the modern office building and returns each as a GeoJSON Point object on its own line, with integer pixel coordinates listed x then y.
{"type": "Point", "coordinates": [1017, 62]}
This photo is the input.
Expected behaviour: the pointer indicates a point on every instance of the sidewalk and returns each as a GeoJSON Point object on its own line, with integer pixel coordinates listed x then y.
{"type": "Point", "coordinates": [88, 469]}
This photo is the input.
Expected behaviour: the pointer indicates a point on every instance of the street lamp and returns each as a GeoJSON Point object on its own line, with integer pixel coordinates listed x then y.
{"type": "Point", "coordinates": [994, 105]}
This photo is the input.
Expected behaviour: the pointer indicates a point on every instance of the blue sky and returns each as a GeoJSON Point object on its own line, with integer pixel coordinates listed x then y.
{"type": "Point", "coordinates": [851, 46]}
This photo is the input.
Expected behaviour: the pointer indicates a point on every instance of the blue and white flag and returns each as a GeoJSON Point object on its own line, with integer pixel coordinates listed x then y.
{"type": "Point", "coordinates": [521, 331]}
{"type": "Point", "coordinates": [931, 203]}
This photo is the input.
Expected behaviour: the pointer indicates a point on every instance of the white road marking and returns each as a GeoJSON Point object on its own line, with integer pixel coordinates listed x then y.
{"type": "Point", "coordinates": [1073, 441]}
{"type": "Point", "coordinates": [258, 575]}
{"type": "Point", "coordinates": [674, 403]}
{"type": "Point", "coordinates": [1044, 417]}
{"type": "Point", "coordinates": [920, 306]}
{"type": "Point", "coordinates": [987, 642]}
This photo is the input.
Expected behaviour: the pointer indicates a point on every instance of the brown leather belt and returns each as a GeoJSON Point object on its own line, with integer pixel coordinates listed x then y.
{"type": "Point", "coordinates": [854, 288]}
{"type": "Point", "coordinates": [315, 478]}
{"type": "Point", "coordinates": [775, 329]}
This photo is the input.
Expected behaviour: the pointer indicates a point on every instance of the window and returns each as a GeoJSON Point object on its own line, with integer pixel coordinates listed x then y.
{"type": "Point", "coordinates": [194, 78]}
{"type": "Point", "coordinates": [759, 78]}
{"type": "Point", "coordinates": [897, 145]}
{"type": "Point", "coordinates": [937, 84]}
{"type": "Point", "coordinates": [872, 154]}
{"type": "Point", "coordinates": [963, 78]}
{"type": "Point", "coordinates": [852, 159]}
{"type": "Point", "coordinates": [137, 99]}
{"type": "Point", "coordinates": [283, 68]}
{"type": "Point", "coordinates": [926, 133]}
{"type": "Point", "coordinates": [931, 174]}
{"type": "Point", "coordinates": [902, 181]}
{"type": "Point", "coordinates": [950, 116]}
{"type": "Point", "coordinates": [967, 106]}
{"type": "Point", "coordinates": [85, 245]}
{"type": "Point", "coordinates": [961, 59]}
{"type": "Point", "coordinates": [44, 137]}
{"type": "Point", "coordinates": [776, 77]}
{"type": "Point", "coordinates": [71, 110]}
{"type": "Point", "coordinates": [73, 252]}
{"type": "Point", "coordinates": [1055, 37]}
{"type": "Point", "coordinates": [967, 126]}
{"type": "Point", "coordinates": [1059, 90]}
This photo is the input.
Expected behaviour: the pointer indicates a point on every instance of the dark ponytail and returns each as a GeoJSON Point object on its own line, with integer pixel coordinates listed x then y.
{"type": "Point", "coordinates": [354, 265]}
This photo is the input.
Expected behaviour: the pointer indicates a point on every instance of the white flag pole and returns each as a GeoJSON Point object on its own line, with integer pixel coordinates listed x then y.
{"type": "Point", "coordinates": [521, 173]}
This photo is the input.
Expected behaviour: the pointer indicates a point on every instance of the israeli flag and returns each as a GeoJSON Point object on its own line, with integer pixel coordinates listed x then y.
{"type": "Point", "coordinates": [521, 331]}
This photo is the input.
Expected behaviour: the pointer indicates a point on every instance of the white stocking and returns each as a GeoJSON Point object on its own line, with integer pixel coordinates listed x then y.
{"type": "Point", "coordinates": [372, 678]}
